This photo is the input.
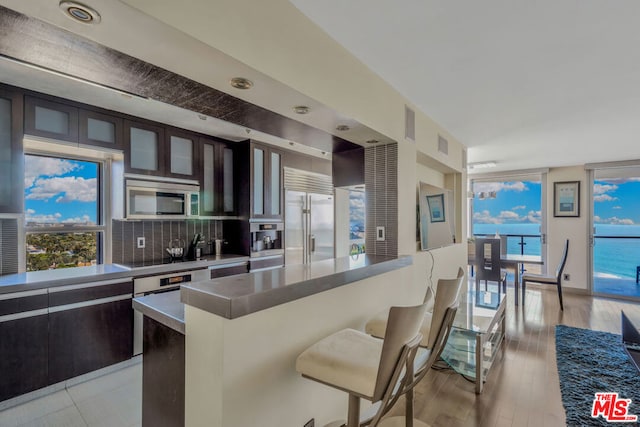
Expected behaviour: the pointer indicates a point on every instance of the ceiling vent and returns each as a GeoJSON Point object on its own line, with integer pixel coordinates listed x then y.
{"type": "Point", "coordinates": [443, 145]}
{"type": "Point", "coordinates": [409, 124]}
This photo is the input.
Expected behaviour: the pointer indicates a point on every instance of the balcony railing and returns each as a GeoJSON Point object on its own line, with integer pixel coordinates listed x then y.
{"type": "Point", "coordinates": [520, 244]}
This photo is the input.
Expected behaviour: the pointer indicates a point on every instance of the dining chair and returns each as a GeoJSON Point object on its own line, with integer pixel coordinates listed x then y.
{"type": "Point", "coordinates": [488, 265]}
{"type": "Point", "coordinates": [548, 279]}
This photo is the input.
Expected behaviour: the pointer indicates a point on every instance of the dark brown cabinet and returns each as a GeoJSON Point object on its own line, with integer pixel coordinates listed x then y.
{"type": "Point", "coordinates": [48, 336]}
{"type": "Point", "coordinates": [183, 151]}
{"type": "Point", "coordinates": [99, 129]}
{"type": "Point", "coordinates": [50, 119]}
{"type": "Point", "coordinates": [72, 123]}
{"type": "Point", "coordinates": [218, 171]}
{"type": "Point", "coordinates": [85, 339]}
{"type": "Point", "coordinates": [23, 343]}
{"type": "Point", "coordinates": [11, 160]}
{"type": "Point", "coordinates": [24, 368]}
{"type": "Point", "coordinates": [266, 182]}
{"type": "Point", "coordinates": [144, 153]}
{"type": "Point", "coordinates": [90, 327]}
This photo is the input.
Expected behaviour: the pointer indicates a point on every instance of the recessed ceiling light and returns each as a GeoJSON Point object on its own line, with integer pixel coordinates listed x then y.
{"type": "Point", "coordinates": [342, 128]}
{"type": "Point", "coordinates": [80, 12]}
{"type": "Point", "coordinates": [372, 141]}
{"type": "Point", "coordinates": [481, 165]}
{"type": "Point", "coordinates": [241, 83]}
{"type": "Point", "coordinates": [301, 109]}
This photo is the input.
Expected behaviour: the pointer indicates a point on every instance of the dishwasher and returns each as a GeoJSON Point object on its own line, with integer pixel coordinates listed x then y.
{"type": "Point", "coordinates": [156, 284]}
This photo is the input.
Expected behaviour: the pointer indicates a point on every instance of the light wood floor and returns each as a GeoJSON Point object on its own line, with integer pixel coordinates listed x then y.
{"type": "Point", "coordinates": [522, 388]}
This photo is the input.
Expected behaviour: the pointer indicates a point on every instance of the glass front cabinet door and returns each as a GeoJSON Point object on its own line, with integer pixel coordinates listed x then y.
{"type": "Point", "coordinates": [11, 183]}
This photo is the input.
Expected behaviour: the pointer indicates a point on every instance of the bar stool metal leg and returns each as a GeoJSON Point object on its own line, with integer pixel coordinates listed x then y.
{"type": "Point", "coordinates": [353, 415]}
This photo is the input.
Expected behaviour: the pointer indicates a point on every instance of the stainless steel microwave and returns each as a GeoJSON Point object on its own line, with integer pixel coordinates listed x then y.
{"type": "Point", "coordinates": [161, 200]}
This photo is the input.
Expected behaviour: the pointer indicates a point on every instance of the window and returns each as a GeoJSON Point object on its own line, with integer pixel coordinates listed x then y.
{"type": "Point", "coordinates": [511, 209]}
{"type": "Point", "coordinates": [356, 221]}
{"type": "Point", "coordinates": [63, 222]}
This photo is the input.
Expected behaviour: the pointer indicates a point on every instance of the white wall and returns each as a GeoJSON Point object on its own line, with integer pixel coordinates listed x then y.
{"type": "Point", "coordinates": [574, 229]}
{"type": "Point", "coordinates": [341, 224]}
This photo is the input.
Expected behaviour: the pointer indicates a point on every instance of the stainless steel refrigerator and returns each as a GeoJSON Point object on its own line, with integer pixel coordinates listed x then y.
{"type": "Point", "coordinates": [308, 227]}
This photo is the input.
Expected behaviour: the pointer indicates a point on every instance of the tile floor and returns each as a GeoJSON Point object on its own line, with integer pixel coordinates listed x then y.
{"type": "Point", "coordinates": [112, 400]}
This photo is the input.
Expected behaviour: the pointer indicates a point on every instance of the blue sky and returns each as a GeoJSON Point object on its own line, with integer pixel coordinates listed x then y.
{"type": "Point", "coordinates": [616, 201]}
{"type": "Point", "coordinates": [516, 202]}
{"type": "Point", "coordinates": [60, 190]}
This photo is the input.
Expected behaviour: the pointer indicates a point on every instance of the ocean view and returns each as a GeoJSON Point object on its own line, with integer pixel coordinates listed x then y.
{"type": "Point", "coordinates": [613, 258]}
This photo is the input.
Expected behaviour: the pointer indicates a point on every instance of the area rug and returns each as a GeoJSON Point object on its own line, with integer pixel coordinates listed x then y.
{"type": "Point", "coordinates": [590, 362]}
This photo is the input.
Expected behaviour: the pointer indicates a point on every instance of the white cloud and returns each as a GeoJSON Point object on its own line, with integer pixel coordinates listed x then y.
{"type": "Point", "coordinates": [604, 198]}
{"type": "Point", "coordinates": [36, 166]}
{"type": "Point", "coordinates": [67, 189]}
{"type": "Point", "coordinates": [600, 192]}
{"type": "Point", "coordinates": [617, 207]}
{"type": "Point", "coordinates": [484, 217]}
{"type": "Point", "coordinates": [613, 220]}
{"type": "Point", "coordinates": [84, 219]}
{"type": "Point", "coordinates": [509, 216]}
{"type": "Point", "coordinates": [534, 217]}
{"type": "Point", "coordinates": [31, 216]}
{"type": "Point", "coordinates": [603, 188]}
{"type": "Point", "coordinates": [479, 187]}
{"type": "Point", "coordinates": [519, 207]}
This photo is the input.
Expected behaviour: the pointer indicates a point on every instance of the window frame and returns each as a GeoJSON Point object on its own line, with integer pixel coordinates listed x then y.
{"type": "Point", "coordinates": [103, 219]}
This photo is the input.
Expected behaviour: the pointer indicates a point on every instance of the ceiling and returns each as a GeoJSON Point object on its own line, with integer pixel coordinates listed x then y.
{"type": "Point", "coordinates": [526, 84]}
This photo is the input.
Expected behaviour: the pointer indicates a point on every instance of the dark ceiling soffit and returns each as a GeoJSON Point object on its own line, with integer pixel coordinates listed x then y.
{"type": "Point", "coordinates": [35, 42]}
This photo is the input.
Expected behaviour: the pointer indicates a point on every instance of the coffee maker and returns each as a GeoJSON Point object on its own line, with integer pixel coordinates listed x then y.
{"type": "Point", "coordinates": [266, 238]}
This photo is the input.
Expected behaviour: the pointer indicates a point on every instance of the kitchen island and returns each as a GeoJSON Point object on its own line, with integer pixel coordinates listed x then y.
{"type": "Point", "coordinates": [243, 334]}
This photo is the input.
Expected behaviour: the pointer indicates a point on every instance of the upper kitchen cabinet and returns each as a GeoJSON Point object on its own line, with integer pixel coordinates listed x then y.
{"type": "Point", "coordinates": [50, 119]}
{"type": "Point", "coordinates": [266, 182]}
{"type": "Point", "coordinates": [144, 153]}
{"type": "Point", "coordinates": [11, 162]}
{"type": "Point", "coordinates": [183, 150]}
{"type": "Point", "coordinates": [99, 129]}
{"type": "Point", "coordinates": [218, 178]}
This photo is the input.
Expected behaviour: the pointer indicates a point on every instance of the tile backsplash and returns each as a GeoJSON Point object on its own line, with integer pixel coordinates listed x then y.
{"type": "Point", "coordinates": [158, 234]}
{"type": "Point", "coordinates": [381, 183]}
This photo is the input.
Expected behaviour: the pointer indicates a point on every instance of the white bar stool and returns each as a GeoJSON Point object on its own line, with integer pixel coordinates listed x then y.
{"type": "Point", "coordinates": [366, 367]}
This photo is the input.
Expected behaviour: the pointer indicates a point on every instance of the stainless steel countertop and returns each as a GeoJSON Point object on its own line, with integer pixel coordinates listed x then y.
{"type": "Point", "coordinates": [78, 275]}
{"type": "Point", "coordinates": [243, 294]}
{"type": "Point", "coordinates": [165, 308]}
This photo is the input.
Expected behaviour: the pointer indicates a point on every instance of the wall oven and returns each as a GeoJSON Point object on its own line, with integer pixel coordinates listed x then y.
{"type": "Point", "coordinates": [152, 200]}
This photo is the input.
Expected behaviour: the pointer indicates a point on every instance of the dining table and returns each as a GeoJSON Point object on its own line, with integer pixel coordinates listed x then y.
{"type": "Point", "coordinates": [516, 263]}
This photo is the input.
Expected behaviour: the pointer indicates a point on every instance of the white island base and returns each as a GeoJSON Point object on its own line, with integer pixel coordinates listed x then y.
{"type": "Point", "coordinates": [241, 372]}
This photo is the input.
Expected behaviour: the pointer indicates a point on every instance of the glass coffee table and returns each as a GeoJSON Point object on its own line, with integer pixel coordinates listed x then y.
{"type": "Point", "coordinates": [477, 335]}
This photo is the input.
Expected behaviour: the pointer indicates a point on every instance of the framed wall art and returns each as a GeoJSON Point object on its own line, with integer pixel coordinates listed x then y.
{"type": "Point", "coordinates": [566, 199]}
